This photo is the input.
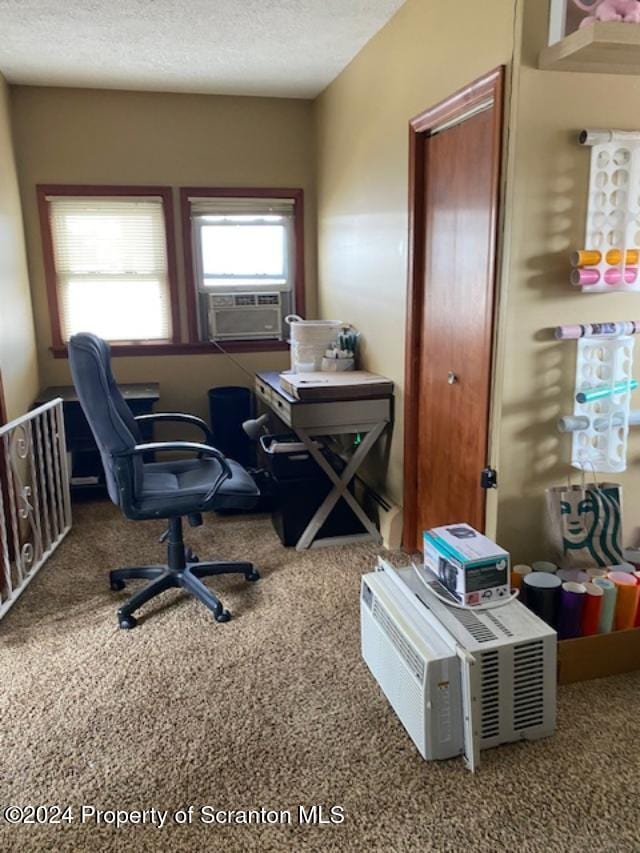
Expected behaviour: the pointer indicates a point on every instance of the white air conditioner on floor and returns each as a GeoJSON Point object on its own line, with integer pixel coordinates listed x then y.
{"type": "Point", "coordinates": [459, 680]}
{"type": "Point", "coordinates": [245, 315]}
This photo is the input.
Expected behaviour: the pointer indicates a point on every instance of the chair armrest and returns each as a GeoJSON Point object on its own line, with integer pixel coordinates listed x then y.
{"type": "Point", "coordinates": [178, 417]}
{"type": "Point", "coordinates": [187, 446]}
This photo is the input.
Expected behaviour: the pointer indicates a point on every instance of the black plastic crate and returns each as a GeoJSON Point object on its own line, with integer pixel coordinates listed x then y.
{"type": "Point", "coordinates": [290, 465]}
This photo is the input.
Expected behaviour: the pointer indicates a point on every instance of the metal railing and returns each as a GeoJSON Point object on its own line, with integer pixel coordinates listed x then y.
{"type": "Point", "coordinates": [35, 503]}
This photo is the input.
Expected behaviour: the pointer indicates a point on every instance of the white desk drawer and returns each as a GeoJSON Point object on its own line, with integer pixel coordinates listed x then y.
{"type": "Point", "coordinates": [281, 407]}
{"type": "Point", "coordinates": [263, 391]}
{"type": "Point", "coordinates": [318, 415]}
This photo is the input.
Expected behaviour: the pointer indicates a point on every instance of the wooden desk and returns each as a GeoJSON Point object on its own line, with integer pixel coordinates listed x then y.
{"type": "Point", "coordinates": [368, 417]}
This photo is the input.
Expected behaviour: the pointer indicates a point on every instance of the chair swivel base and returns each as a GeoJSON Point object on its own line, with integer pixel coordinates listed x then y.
{"type": "Point", "coordinates": [187, 577]}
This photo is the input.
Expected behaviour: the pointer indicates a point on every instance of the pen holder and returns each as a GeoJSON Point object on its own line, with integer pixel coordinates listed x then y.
{"type": "Point", "coordinates": [335, 365]}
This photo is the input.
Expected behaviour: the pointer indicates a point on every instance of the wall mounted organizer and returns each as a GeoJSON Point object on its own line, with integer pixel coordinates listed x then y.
{"type": "Point", "coordinates": [611, 260]}
{"type": "Point", "coordinates": [602, 400]}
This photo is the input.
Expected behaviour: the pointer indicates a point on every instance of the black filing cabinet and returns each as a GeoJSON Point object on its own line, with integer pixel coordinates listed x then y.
{"type": "Point", "coordinates": [87, 474]}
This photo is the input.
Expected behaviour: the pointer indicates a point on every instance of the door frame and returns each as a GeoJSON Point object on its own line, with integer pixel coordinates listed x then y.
{"type": "Point", "coordinates": [451, 110]}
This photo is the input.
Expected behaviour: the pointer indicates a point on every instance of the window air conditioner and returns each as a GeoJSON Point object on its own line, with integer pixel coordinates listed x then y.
{"type": "Point", "coordinates": [245, 315]}
{"type": "Point", "coordinates": [459, 680]}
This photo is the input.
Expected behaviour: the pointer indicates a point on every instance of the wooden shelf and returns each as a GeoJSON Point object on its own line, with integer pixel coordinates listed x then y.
{"type": "Point", "coordinates": [612, 48]}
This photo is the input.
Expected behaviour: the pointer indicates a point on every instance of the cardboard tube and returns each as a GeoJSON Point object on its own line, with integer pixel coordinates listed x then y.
{"type": "Point", "coordinates": [592, 608]}
{"type": "Point", "coordinates": [572, 601]}
{"type": "Point", "coordinates": [598, 136]}
{"type": "Point", "coordinates": [517, 574]}
{"type": "Point", "coordinates": [614, 329]}
{"type": "Point", "coordinates": [627, 599]}
{"type": "Point", "coordinates": [607, 613]}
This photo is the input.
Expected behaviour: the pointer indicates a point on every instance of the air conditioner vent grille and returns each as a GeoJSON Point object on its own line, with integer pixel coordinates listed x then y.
{"type": "Point", "coordinates": [490, 695]}
{"type": "Point", "coordinates": [498, 623]}
{"type": "Point", "coordinates": [405, 649]}
{"type": "Point", "coordinates": [243, 299]}
{"type": "Point", "coordinates": [268, 299]}
{"type": "Point", "coordinates": [528, 685]}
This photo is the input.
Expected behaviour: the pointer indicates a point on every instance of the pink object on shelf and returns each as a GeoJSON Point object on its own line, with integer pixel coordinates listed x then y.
{"type": "Point", "coordinates": [614, 275]}
{"type": "Point", "coordinates": [584, 277]}
{"type": "Point", "coordinates": [627, 11]}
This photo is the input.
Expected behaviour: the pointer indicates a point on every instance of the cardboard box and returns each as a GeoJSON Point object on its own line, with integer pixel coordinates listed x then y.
{"type": "Point", "coordinates": [473, 568]}
{"type": "Point", "coordinates": [598, 656]}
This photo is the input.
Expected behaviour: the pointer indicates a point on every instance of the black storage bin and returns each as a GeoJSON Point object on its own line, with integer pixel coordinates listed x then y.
{"type": "Point", "coordinates": [297, 501]}
{"type": "Point", "coordinates": [290, 465]}
{"type": "Point", "coordinates": [229, 407]}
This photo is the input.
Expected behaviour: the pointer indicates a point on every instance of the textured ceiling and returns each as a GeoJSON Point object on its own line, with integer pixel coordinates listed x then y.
{"type": "Point", "coordinates": [284, 48]}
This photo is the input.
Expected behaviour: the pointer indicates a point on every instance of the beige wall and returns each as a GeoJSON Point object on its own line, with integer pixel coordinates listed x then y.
{"type": "Point", "coordinates": [550, 191]}
{"type": "Point", "coordinates": [425, 53]}
{"type": "Point", "coordinates": [18, 361]}
{"type": "Point", "coordinates": [102, 137]}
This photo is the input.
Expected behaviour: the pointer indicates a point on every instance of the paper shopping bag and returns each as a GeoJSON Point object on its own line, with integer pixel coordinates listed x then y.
{"type": "Point", "coordinates": [584, 525]}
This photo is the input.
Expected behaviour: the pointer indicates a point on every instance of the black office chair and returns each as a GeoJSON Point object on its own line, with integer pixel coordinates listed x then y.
{"type": "Point", "coordinates": [145, 490]}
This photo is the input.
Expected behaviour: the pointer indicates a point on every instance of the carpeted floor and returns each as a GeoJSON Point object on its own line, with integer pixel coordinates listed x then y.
{"type": "Point", "coordinates": [274, 709]}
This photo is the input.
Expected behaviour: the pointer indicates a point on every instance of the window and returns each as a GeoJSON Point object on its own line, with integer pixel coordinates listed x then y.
{"type": "Point", "coordinates": [245, 261]}
{"type": "Point", "coordinates": [109, 258]}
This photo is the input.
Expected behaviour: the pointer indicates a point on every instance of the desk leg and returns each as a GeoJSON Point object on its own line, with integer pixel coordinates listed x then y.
{"type": "Point", "coordinates": [340, 488]}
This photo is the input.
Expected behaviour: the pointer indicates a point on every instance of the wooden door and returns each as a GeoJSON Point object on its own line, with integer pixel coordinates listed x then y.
{"type": "Point", "coordinates": [448, 395]}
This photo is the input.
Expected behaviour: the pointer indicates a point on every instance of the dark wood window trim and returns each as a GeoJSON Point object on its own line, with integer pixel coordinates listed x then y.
{"type": "Point", "coordinates": [299, 285]}
{"type": "Point", "coordinates": [154, 348]}
{"type": "Point", "coordinates": [491, 85]}
{"type": "Point", "coordinates": [58, 347]}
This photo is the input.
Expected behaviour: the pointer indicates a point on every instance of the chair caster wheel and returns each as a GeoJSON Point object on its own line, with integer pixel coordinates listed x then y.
{"type": "Point", "coordinates": [190, 556]}
{"type": "Point", "coordinates": [127, 622]}
{"type": "Point", "coordinates": [254, 576]}
{"type": "Point", "coordinates": [223, 616]}
{"type": "Point", "coordinates": [116, 585]}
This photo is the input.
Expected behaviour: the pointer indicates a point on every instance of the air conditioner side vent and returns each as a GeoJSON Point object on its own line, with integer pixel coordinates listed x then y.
{"type": "Point", "coordinates": [413, 660]}
{"type": "Point", "coordinates": [490, 695]}
{"type": "Point", "coordinates": [528, 685]}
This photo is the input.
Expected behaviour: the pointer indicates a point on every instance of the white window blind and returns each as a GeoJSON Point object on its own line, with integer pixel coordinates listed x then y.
{"type": "Point", "coordinates": [111, 267]}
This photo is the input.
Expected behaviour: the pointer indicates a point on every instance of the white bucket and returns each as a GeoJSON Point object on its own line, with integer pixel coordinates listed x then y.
{"type": "Point", "coordinates": [309, 340]}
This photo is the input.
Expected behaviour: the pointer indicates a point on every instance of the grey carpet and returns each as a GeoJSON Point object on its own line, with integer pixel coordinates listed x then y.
{"type": "Point", "coordinates": [273, 709]}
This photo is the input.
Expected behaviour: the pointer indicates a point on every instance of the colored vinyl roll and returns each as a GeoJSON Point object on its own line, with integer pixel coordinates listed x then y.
{"type": "Point", "coordinates": [627, 599]}
{"type": "Point", "coordinates": [632, 555]}
{"type": "Point", "coordinates": [592, 608]}
{"type": "Point", "coordinates": [614, 275]}
{"type": "Point", "coordinates": [573, 576]}
{"type": "Point", "coordinates": [541, 593]}
{"type": "Point", "coordinates": [544, 566]}
{"type": "Point", "coordinates": [596, 573]}
{"type": "Point", "coordinates": [584, 277]}
{"type": "Point", "coordinates": [607, 612]}
{"type": "Point", "coordinates": [572, 600]}
{"type": "Point", "coordinates": [614, 256]}
{"type": "Point", "coordinates": [517, 573]}
{"type": "Point", "coordinates": [586, 258]}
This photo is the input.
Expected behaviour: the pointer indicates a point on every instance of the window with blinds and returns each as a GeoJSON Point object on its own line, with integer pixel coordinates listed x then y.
{"type": "Point", "coordinates": [243, 244]}
{"type": "Point", "coordinates": [110, 256]}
